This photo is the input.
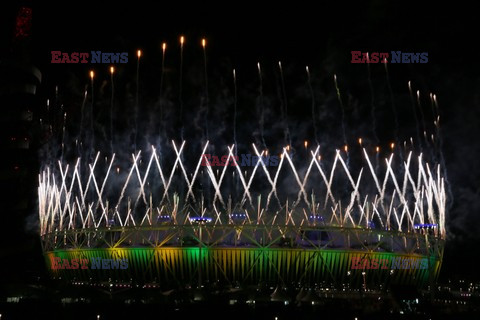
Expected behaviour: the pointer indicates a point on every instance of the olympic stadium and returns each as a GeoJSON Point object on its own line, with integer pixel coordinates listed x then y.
{"type": "Point", "coordinates": [179, 223]}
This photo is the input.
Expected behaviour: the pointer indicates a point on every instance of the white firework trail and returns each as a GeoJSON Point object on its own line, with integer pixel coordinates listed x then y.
{"type": "Point", "coordinates": [407, 193]}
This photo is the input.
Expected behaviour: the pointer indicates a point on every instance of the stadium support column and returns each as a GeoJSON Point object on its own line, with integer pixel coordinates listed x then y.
{"type": "Point", "coordinates": [200, 256]}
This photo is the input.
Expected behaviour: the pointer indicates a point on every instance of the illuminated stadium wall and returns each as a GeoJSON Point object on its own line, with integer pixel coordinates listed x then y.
{"type": "Point", "coordinates": [180, 266]}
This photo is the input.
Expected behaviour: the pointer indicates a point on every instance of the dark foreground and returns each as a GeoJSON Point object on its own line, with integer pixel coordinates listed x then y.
{"type": "Point", "coordinates": [119, 302]}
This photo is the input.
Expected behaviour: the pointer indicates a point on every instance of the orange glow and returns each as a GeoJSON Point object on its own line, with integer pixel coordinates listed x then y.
{"type": "Point", "coordinates": [91, 74]}
{"type": "Point", "coordinates": [360, 141]}
{"type": "Point", "coordinates": [377, 149]}
{"type": "Point", "coordinates": [204, 43]}
{"type": "Point", "coordinates": [164, 46]}
{"type": "Point", "coordinates": [112, 69]}
{"type": "Point", "coordinates": [139, 53]}
{"type": "Point", "coordinates": [306, 143]}
{"type": "Point", "coordinates": [182, 40]}
{"type": "Point", "coordinates": [345, 148]}
{"type": "Point", "coordinates": [392, 145]}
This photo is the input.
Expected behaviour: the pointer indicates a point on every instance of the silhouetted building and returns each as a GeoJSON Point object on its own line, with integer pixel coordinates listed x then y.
{"type": "Point", "coordinates": [19, 140]}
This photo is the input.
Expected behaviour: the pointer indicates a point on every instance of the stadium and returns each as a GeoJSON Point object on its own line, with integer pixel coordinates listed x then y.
{"type": "Point", "coordinates": [179, 223]}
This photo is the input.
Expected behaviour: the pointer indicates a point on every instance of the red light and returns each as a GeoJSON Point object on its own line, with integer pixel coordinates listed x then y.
{"type": "Point", "coordinates": [23, 23]}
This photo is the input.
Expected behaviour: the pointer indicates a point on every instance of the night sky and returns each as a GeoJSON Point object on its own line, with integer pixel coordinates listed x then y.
{"type": "Point", "coordinates": [240, 34]}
